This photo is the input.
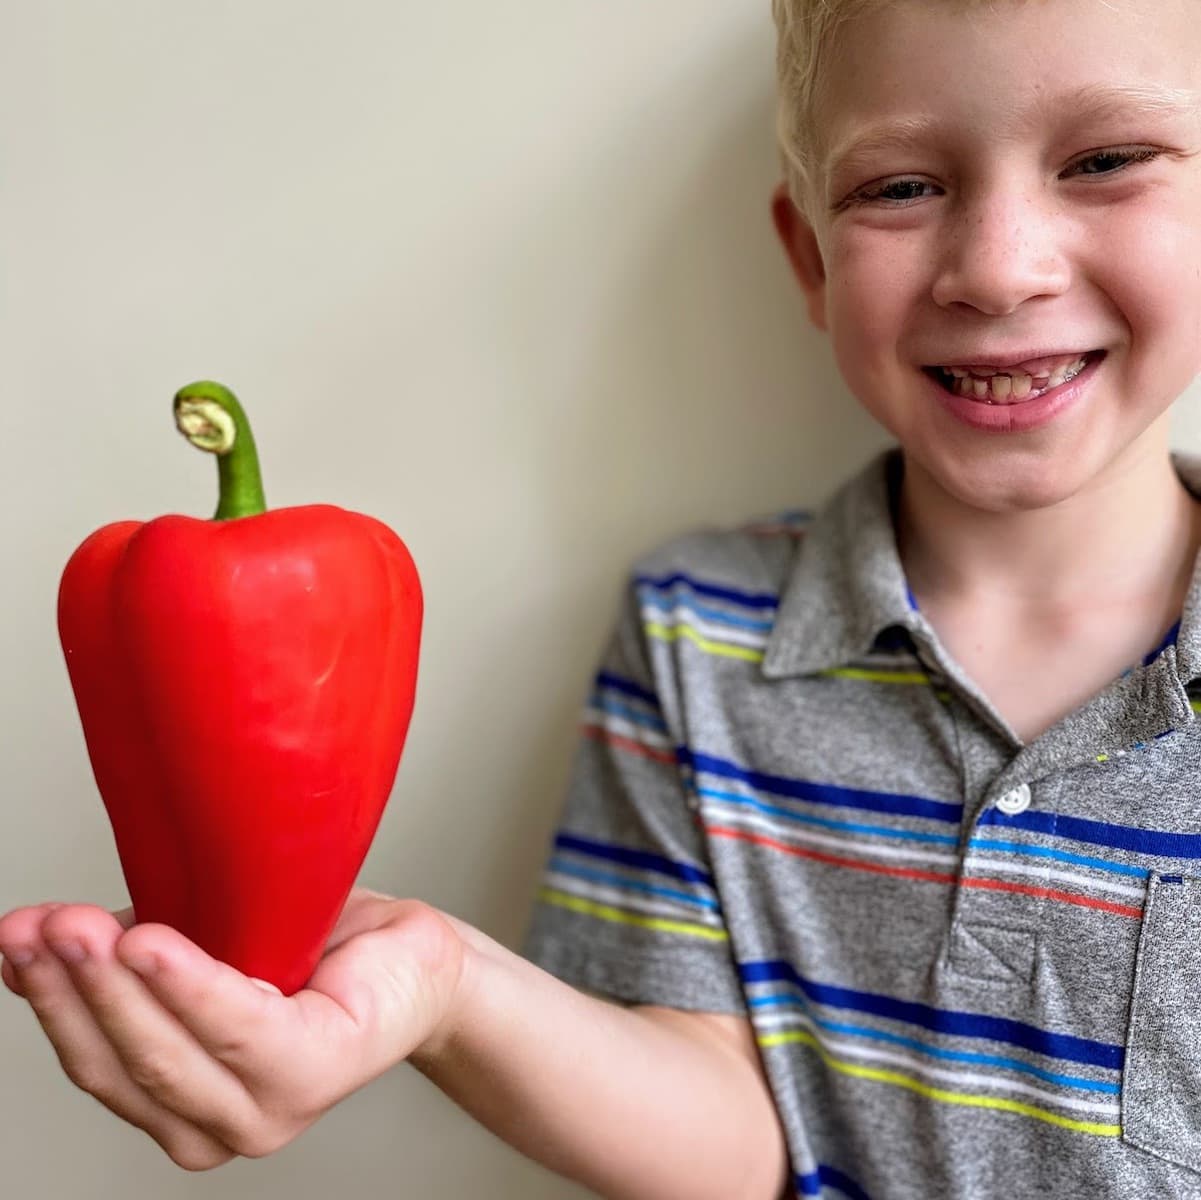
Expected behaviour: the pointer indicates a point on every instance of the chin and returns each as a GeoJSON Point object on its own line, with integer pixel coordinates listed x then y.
{"type": "Point", "coordinates": [1015, 498]}
{"type": "Point", "coordinates": [1007, 487]}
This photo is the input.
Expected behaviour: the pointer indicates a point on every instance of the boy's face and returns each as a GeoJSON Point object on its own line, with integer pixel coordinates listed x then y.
{"type": "Point", "coordinates": [1013, 225]}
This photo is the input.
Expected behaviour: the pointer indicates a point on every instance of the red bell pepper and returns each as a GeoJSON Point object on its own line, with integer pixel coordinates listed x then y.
{"type": "Point", "coordinates": [245, 686]}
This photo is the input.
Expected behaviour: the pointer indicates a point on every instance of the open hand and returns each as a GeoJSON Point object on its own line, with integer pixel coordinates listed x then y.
{"type": "Point", "coordinates": [210, 1063]}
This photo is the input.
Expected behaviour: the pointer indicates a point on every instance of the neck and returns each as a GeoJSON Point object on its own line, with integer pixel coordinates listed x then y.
{"type": "Point", "coordinates": [1048, 558]}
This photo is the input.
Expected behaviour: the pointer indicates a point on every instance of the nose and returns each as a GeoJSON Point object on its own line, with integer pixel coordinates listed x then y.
{"type": "Point", "coordinates": [1003, 248]}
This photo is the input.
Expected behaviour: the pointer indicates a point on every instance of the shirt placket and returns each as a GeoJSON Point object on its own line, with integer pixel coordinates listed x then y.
{"type": "Point", "coordinates": [991, 934]}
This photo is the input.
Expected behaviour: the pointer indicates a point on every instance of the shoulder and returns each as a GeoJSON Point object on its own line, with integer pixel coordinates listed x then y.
{"type": "Point", "coordinates": [751, 559]}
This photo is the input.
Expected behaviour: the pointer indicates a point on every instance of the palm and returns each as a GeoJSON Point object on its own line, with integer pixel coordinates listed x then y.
{"type": "Point", "coordinates": [208, 1063]}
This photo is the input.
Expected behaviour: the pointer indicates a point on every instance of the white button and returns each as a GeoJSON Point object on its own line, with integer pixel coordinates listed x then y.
{"type": "Point", "coordinates": [1016, 801]}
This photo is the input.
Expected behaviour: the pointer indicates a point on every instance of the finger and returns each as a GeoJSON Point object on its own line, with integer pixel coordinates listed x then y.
{"type": "Point", "coordinates": [153, 1049]}
{"type": "Point", "coordinates": [296, 1055]}
{"type": "Point", "coordinates": [245, 1025]}
{"type": "Point", "coordinates": [16, 928]}
{"type": "Point", "coordinates": [86, 1057]}
{"type": "Point", "coordinates": [34, 913]}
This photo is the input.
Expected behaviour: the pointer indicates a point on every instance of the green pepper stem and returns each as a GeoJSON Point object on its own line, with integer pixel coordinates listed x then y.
{"type": "Point", "coordinates": [211, 418]}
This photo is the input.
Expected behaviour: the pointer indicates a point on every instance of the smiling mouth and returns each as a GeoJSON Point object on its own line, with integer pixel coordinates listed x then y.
{"type": "Point", "coordinates": [988, 386]}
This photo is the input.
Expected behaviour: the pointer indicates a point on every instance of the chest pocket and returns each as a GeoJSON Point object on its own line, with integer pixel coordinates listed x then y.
{"type": "Point", "coordinates": [1161, 1082]}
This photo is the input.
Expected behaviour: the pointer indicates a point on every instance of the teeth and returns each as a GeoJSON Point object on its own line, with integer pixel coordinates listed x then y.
{"type": "Point", "coordinates": [1000, 387]}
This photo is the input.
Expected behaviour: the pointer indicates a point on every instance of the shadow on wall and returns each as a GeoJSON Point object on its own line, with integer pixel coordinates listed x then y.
{"type": "Point", "coordinates": [706, 354]}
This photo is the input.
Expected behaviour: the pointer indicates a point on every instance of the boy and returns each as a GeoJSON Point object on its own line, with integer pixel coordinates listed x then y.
{"type": "Point", "coordinates": [885, 839]}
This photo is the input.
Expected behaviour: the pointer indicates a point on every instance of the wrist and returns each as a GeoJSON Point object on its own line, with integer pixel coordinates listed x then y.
{"type": "Point", "coordinates": [465, 957]}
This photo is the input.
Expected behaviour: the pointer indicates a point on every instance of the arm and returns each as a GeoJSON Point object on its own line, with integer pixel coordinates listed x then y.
{"type": "Point", "coordinates": [640, 1104]}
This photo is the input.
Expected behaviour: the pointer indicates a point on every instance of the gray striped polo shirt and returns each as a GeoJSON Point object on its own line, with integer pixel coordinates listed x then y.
{"type": "Point", "coordinates": [971, 964]}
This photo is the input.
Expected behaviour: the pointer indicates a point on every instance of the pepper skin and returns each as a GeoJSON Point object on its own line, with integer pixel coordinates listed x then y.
{"type": "Point", "coordinates": [245, 686]}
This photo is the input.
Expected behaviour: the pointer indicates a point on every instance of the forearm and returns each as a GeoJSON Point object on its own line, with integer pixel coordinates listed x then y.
{"type": "Point", "coordinates": [632, 1107]}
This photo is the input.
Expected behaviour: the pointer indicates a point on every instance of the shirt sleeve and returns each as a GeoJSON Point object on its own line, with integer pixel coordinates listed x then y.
{"type": "Point", "coordinates": [628, 906]}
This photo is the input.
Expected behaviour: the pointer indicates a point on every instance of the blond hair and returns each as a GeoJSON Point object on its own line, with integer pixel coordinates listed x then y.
{"type": "Point", "coordinates": [806, 31]}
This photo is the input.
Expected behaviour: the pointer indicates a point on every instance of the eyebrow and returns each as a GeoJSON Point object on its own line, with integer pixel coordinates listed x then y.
{"type": "Point", "coordinates": [1094, 102]}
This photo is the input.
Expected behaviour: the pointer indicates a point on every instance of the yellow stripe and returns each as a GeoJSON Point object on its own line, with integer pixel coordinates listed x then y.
{"type": "Point", "coordinates": [605, 913]}
{"type": "Point", "coordinates": [728, 650]}
{"type": "Point", "coordinates": [1195, 705]}
{"type": "Point", "coordinates": [933, 1093]}
{"type": "Point", "coordinates": [913, 678]}
{"type": "Point", "coordinates": [877, 676]}
{"type": "Point", "coordinates": [724, 649]}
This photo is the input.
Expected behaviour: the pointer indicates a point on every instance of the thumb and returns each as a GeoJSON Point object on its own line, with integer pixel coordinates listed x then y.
{"type": "Point", "coordinates": [399, 979]}
{"type": "Point", "coordinates": [363, 911]}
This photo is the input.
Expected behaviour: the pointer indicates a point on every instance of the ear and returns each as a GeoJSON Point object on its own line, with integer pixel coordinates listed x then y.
{"type": "Point", "coordinates": [800, 243]}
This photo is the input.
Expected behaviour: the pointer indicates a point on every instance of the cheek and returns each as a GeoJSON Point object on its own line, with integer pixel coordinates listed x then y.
{"type": "Point", "coordinates": [1148, 267]}
{"type": "Point", "coordinates": [872, 296]}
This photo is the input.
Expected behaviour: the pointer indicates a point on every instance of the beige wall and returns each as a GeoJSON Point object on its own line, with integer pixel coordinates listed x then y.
{"type": "Point", "coordinates": [500, 275]}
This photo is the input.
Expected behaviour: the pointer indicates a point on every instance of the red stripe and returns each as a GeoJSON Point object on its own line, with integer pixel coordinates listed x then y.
{"type": "Point", "coordinates": [599, 734]}
{"type": "Point", "coordinates": [998, 885]}
{"type": "Point", "coordinates": [995, 885]}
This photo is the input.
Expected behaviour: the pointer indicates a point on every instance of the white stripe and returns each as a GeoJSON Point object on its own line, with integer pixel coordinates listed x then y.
{"type": "Point", "coordinates": [718, 633]}
{"type": "Point", "coordinates": [1002, 867]}
{"type": "Point", "coordinates": [740, 818]}
{"type": "Point", "coordinates": [635, 901]}
{"type": "Point", "coordinates": [684, 593]}
{"type": "Point", "coordinates": [626, 729]}
{"type": "Point", "coordinates": [992, 1083]}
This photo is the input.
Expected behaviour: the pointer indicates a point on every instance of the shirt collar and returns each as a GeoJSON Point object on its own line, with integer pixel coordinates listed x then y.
{"type": "Point", "coordinates": [1188, 637]}
{"type": "Point", "coordinates": [848, 584]}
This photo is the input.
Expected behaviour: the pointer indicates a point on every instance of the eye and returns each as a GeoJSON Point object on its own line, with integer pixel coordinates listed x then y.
{"type": "Point", "coordinates": [901, 193]}
{"type": "Point", "coordinates": [1111, 162]}
{"type": "Point", "coordinates": [895, 193]}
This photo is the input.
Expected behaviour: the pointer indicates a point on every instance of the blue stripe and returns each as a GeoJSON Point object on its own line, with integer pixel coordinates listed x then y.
{"type": "Point", "coordinates": [709, 614]}
{"type": "Point", "coordinates": [786, 516]}
{"type": "Point", "coordinates": [1168, 640]}
{"type": "Point", "coordinates": [967, 1056]}
{"type": "Point", "coordinates": [629, 885]}
{"type": "Point", "coordinates": [712, 590]}
{"type": "Point", "coordinates": [1101, 833]}
{"type": "Point", "coordinates": [1058, 855]}
{"type": "Point", "coordinates": [940, 839]}
{"type": "Point", "coordinates": [823, 793]}
{"type": "Point", "coordinates": [825, 1176]}
{"type": "Point", "coordinates": [940, 1020]}
{"type": "Point", "coordinates": [833, 1177]}
{"type": "Point", "coordinates": [809, 1185]}
{"type": "Point", "coordinates": [641, 859]}
{"type": "Point", "coordinates": [628, 713]}
{"type": "Point", "coordinates": [606, 679]}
